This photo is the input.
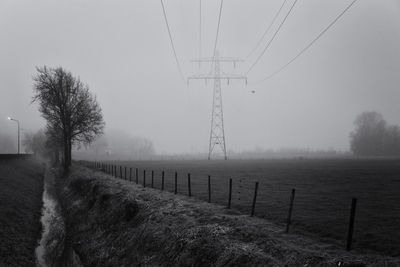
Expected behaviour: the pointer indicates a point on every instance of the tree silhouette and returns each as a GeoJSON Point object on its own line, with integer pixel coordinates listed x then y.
{"type": "Point", "coordinates": [374, 137]}
{"type": "Point", "coordinates": [72, 113]}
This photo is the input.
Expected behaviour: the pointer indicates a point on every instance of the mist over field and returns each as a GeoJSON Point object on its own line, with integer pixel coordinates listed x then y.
{"type": "Point", "coordinates": [199, 133]}
{"type": "Point", "coordinates": [121, 49]}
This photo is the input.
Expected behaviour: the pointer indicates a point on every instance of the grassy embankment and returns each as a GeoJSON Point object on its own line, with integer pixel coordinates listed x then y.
{"type": "Point", "coordinates": [324, 189]}
{"type": "Point", "coordinates": [115, 222]}
{"type": "Point", "coordinates": [21, 187]}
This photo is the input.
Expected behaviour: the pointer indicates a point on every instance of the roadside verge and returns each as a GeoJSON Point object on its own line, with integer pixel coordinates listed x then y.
{"type": "Point", "coordinates": [21, 187]}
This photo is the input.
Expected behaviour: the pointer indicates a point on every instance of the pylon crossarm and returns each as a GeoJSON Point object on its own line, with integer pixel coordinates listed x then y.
{"type": "Point", "coordinates": [212, 77]}
{"type": "Point", "coordinates": [220, 59]}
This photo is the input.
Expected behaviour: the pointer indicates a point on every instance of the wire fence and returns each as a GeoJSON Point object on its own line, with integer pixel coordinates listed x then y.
{"type": "Point", "coordinates": [334, 217]}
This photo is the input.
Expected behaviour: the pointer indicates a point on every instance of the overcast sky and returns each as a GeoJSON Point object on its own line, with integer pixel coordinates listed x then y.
{"type": "Point", "coordinates": [122, 51]}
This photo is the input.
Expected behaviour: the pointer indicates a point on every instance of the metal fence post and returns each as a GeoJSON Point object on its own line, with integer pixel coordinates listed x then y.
{"type": "Point", "coordinates": [253, 207]}
{"type": "Point", "coordinates": [351, 224]}
{"type": "Point", "coordinates": [289, 218]}
{"type": "Point", "coordinates": [176, 183]}
{"type": "Point", "coordinates": [230, 193]}
{"type": "Point", "coordinates": [209, 189]}
{"type": "Point", "coordinates": [189, 186]}
{"type": "Point", "coordinates": [162, 181]}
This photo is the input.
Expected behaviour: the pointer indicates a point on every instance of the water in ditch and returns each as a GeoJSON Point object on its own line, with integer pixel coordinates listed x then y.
{"type": "Point", "coordinates": [52, 249]}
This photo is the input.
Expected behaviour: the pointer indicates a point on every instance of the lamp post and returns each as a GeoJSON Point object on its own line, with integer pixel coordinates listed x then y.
{"type": "Point", "coordinates": [17, 121]}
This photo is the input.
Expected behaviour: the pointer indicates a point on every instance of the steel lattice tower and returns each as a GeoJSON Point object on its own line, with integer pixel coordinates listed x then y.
{"type": "Point", "coordinates": [217, 132]}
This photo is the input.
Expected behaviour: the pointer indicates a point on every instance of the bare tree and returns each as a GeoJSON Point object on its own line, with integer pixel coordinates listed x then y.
{"type": "Point", "coordinates": [72, 113]}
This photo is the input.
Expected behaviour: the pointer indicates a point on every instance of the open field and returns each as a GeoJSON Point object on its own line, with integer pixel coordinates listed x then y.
{"type": "Point", "coordinates": [21, 187]}
{"type": "Point", "coordinates": [113, 222]}
{"type": "Point", "coordinates": [324, 189]}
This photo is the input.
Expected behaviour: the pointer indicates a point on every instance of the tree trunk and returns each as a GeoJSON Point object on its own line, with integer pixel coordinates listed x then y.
{"type": "Point", "coordinates": [67, 154]}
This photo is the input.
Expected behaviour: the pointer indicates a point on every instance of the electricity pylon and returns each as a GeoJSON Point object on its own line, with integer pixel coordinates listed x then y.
{"type": "Point", "coordinates": [217, 132]}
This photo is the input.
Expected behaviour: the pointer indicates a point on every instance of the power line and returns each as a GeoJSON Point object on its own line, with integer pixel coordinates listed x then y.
{"type": "Point", "coordinates": [267, 30]}
{"type": "Point", "coordinates": [200, 29]}
{"type": "Point", "coordinates": [219, 21]}
{"type": "Point", "coordinates": [273, 37]}
{"type": "Point", "coordinates": [172, 42]}
{"type": "Point", "coordinates": [310, 44]}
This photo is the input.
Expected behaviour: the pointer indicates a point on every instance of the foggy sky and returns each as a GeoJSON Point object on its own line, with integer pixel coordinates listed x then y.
{"type": "Point", "coordinates": [122, 51]}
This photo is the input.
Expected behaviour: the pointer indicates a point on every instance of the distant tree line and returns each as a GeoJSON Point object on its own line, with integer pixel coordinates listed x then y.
{"type": "Point", "coordinates": [373, 136]}
{"type": "Point", "coordinates": [7, 144]}
{"type": "Point", "coordinates": [117, 145]}
{"type": "Point", "coordinates": [35, 143]}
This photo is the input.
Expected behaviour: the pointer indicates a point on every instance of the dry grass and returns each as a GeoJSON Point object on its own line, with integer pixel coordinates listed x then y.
{"type": "Point", "coordinates": [116, 223]}
{"type": "Point", "coordinates": [21, 187]}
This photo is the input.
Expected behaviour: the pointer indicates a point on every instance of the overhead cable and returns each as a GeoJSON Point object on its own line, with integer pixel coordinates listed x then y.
{"type": "Point", "coordinates": [172, 43]}
{"type": "Point", "coordinates": [267, 29]}
{"type": "Point", "coordinates": [273, 37]}
{"type": "Point", "coordinates": [309, 45]}
{"type": "Point", "coordinates": [219, 21]}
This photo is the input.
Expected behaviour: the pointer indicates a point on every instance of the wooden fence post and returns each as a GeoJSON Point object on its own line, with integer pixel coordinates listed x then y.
{"type": "Point", "coordinates": [137, 176]}
{"type": "Point", "coordinates": [253, 207]}
{"type": "Point", "coordinates": [144, 178]}
{"type": "Point", "coordinates": [189, 186]}
{"type": "Point", "coordinates": [162, 181]}
{"type": "Point", "coordinates": [130, 174]}
{"type": "Point", "coordinates": [209, 189]}
{"type": "Point", "coordinates": [152, 179]}
{"type": "Point", "coordinates": [351, 224]}
{"type": "Point", "coordinates": [120, 171]}
{"type": "Point", "coordinates": [230, 193]}
{"type": "Point", "coordinates": [176, 183]}
{"type": "Point", "coordinates": [125, 173]}
{"type": "Point", "coordinates": [289, 218]}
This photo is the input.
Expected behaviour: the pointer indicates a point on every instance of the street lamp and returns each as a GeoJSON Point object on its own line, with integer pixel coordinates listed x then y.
{"type": "Point", "coordinates": [17, 121]}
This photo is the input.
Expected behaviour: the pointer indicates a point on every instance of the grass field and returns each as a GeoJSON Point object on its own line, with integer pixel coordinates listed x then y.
{"type": "Point", "coordinates": [113, 222]}
{"type": "Point", "coordinates": [21, 187]}
{"type": "Point", "coordinates": [324, 189]}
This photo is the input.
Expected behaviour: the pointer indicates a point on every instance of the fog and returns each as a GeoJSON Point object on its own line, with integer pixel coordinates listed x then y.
{"type": "Point", "coordinates": [121, 49]}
